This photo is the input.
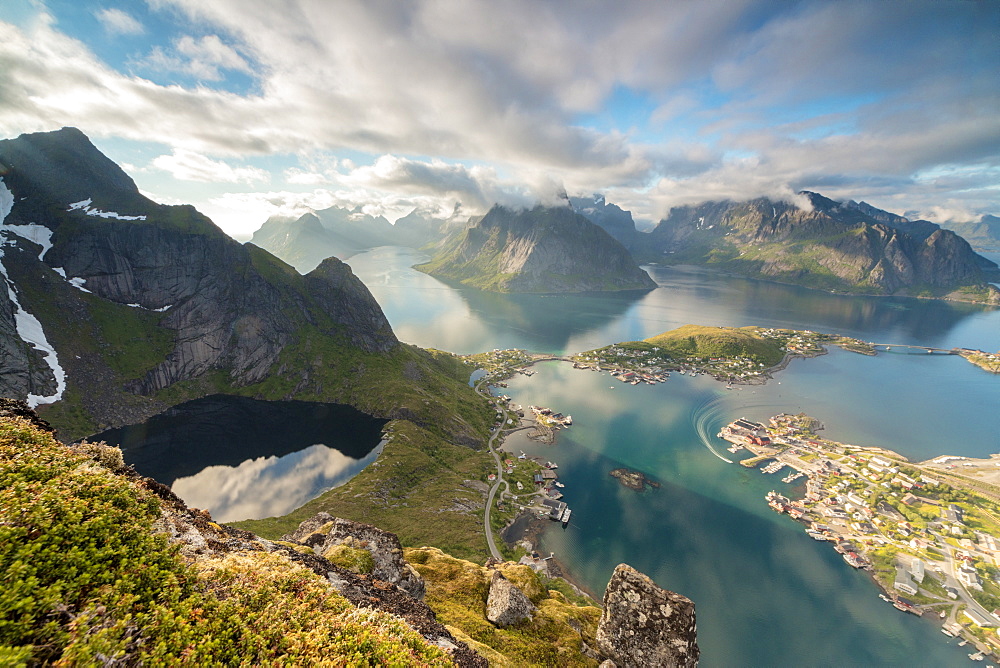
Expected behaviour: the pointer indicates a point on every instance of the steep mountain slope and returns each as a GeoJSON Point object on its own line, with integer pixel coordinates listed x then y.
{"type": "Point", "coordinates": [545, 249]}
{"type": "Point", "coordinates": [124, 306]}
{"type": "Point", "coordinates": [984, 233]}
{"type": "Point", "coordinates": [849, 247]}
{"type": "Point", "coordinates": [609, 217]}
{"type": "Point", "coordinates": [104, 566]}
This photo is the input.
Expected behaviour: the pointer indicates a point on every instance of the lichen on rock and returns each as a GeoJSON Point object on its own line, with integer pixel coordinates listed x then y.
{"type": "Point", "coordinates": [507, 605]}
{"type": "Point", "coordinates": [644, 624]}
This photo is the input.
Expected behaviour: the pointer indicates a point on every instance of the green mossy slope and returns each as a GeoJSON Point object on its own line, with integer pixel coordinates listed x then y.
{"type": "Point", "coordinates": [88, 582]}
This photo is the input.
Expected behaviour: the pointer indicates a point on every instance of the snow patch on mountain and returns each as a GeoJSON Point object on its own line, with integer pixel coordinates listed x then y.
{"type": "Point", "coordinates": [85, 206]}
{"type": "Point", "coordinates": [28, 326]}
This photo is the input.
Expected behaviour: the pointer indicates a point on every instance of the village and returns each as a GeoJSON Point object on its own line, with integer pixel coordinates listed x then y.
{"type": "Point", "coordinates": [929, 536]}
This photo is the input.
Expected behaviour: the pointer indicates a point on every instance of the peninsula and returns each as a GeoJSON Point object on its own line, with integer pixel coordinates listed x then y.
{"type": "Point", "coordinates": [929, 532]}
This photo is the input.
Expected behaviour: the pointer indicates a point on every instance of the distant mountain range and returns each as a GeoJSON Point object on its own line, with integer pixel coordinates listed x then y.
{"type": "Point", "coordinates": [840, 246]}
{"type": "Point", "coordinates": [118, 307]}
{"type": "Point", "coordinates": [983, 234]}
{"type": "Point", "coordinates": [306, 241]}
{"type": "Point", "coordinates": [544, 249]}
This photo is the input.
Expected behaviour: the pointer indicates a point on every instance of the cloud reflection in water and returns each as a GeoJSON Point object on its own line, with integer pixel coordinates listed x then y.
{"type": "Point", "coordinates": [269, 486]}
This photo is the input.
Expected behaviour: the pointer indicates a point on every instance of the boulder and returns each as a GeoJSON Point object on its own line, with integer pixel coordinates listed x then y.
{"type": "Point", "coordinates": [324, 532]}
{"type": "Point", "coordinates": [507, 604]}
{"type": "Point", "coordinates": [644, 624]}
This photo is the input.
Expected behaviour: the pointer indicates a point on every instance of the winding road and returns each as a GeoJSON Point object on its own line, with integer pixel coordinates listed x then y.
{"type": "Point", "coordinates": [493, 490]}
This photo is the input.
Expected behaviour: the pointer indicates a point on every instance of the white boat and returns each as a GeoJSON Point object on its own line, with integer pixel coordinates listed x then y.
{"type": "Point", "coordinates": [559, 484]}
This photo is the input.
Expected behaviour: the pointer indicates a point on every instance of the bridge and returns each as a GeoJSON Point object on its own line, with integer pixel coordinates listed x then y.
{"type": "Point", "coordinates": [926, 349]}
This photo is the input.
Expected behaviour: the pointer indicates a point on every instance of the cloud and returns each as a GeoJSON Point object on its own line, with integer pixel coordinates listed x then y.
{"type": "Point", "coordinates": [118, 22]}
{"type": "Point", "coordinates": [187, 165]}
{"type": "Point", "coordinates": [204, 58]}
{"type": "Point", "coordinates": [479, 101]}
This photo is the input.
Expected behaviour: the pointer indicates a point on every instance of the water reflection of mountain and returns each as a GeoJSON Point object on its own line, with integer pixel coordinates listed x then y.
{"type": "Point", "coordinates": [901, 319]}
{"type": "Point", "coordinates": [548, 322]}
{"type": "Point", "coordinates": [227, 430]}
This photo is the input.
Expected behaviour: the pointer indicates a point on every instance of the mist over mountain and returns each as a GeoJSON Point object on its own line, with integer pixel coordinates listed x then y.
{"type": "Point", "coordinates": [340, 232]}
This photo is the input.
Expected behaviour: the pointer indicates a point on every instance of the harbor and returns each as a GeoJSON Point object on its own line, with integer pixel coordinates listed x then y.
{"type": "Point", "coordinates": [890, 518]}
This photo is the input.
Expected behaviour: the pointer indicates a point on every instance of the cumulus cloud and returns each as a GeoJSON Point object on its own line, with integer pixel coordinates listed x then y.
{"type": "Point", "coordinates": [190, 166]}
{"type": "Point", "coordinates": [204, 58]}
{"type": "Point", "coordinates": [118, 22]}
{"type": "Point", "coordinates": [490, 100]}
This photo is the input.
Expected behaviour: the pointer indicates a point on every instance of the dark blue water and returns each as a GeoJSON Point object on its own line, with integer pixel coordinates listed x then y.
{"type": "Point", "coordinates": [242, 458]}
{"type": "Point", "coordinates": [766, 593]}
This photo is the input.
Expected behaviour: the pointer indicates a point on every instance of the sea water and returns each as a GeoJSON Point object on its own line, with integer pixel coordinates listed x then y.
{"type": "Point", "coordinates": [766, 593]}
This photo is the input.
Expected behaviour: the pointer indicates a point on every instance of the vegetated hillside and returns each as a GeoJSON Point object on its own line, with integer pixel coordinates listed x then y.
{"type": "Point", "coordinates": [92, 575]}
{"type": "Point", "coordinates": [140, 306]}
{"type": "Point", "coordinates": [847, 247]}
{"type": "Point", "coordinates": [102, 566]}
{"type": "Point", "coordinates": [699, 341]}
{"type": "Point", "coordinates": [544, 249]}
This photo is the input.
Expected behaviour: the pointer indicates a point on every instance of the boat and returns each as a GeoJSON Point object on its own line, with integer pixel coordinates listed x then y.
{"type": "Point", "coordinates": [559, 484]}
{"type": "Point", "coordinates": [550, 465]}
{"type": "Point", "coordinates": [565, 516]}
{"type": "Point", "coordinates": [948, 633]}
{"type": "Point", "coordinates": [978, 656]}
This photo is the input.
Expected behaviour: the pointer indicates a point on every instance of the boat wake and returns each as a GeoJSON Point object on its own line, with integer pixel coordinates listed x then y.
{"type": "Point", "coordinates": [703, 417]}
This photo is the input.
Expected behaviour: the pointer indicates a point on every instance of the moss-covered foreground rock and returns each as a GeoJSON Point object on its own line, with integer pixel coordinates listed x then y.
{"type": "Point", "coordinates": [88, 581]}
{"type": "Point", "coordinates": [559, 633]}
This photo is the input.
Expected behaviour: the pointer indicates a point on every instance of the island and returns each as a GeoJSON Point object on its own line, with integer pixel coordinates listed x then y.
{"type": "Point", "coordinates": [732, 354]}
{"type": "Point", "coordinates": [634, 480]}
{"type": "Point", "coordinates": [928, 532]}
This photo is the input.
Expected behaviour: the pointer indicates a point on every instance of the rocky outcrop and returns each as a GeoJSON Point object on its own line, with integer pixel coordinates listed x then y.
{"type": "Point", "coordinates": [645, 625]}
{"type": "Point", "coordinates": [506, 605]}
{"type": "Point", "coordinates": [849, 246]}
{"type": "Point", "coordinates": [198, 537]}
{"type": "Point", "coordinates": [541, 250]}
{"type": "Point", "coordinates": [634, 480]}
{"type": "Point", "coordinates": [324, 532]}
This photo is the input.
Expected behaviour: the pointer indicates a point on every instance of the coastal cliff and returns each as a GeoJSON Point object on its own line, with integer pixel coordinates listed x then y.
{"type": "Point", "coordinates": [540, 250]}
{"type": "Point", "coordinates": [845, 246]}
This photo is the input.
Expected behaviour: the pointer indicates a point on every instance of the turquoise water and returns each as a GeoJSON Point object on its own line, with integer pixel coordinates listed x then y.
{"type": "Point", "coordinates": [766, 594]}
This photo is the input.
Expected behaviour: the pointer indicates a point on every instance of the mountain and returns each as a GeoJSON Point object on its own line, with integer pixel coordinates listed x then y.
{"type": "Point", "coordinates": [306, 241]}
{"type": "Point", "coordinates": [984, 233]}
{"type": "Point", "coordinates": [118, 307]}
{"type": "Point", "coordinates": [544, 249]}
{"type": "Point", "coordinates": [609, 217]}
{"type": "Point", "coordinates": [315, 236]}
{"type": "Point", "coordinates": [848, 247]}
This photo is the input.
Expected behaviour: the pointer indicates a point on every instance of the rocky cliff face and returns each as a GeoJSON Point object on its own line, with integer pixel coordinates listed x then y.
{"type": "Point", "coordinates": [609, 217]}
{"type": "Point", "coordinates": [644, 625]}
{"type": "Point", "coordinates": [848, 246]}
{"type": "Point", "coordinates": [538, 250]}
{"type": "Point", "coordinates": [154, 295]}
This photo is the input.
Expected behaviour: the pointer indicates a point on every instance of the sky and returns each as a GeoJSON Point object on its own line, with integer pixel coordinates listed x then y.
{"type": "Point", "coordinates": [253, 108]}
